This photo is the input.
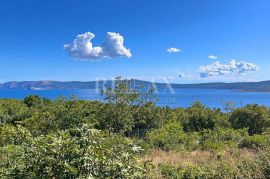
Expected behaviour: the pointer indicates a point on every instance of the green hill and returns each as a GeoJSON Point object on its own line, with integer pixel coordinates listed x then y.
{"type": "Point", "coordinates": [263, 86]}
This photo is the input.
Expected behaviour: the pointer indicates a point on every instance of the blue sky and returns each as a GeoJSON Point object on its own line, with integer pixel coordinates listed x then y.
{"type": "Point", "coordinates": [33, 34]}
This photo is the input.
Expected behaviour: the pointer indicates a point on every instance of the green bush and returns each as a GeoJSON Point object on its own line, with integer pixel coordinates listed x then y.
{"type": "Point", "coordinates": [76, 153]}
{"type": "Point", "coordinates": [61, 114]}
{"type": "Point", "coordinates": [253, 117]}
{"type": "Point", "coordinates": [123, 103]}
{"type": "Point", "coordinates": [221, 138]}
{"type": "Point", "coordinates": [169, 137]}
{"type": "Point", "coordinates": [149, 116]}
{"type": "Point", "coordinates": [33, 101]}
{"type": "Point", "coordinates": [12, 111]}
{"type": "Point", "coordinates": [169, 171]}
{"type": "Point", "coordinates": [13, 135]}
{"type": "Point", "coordinates": [254, 142]}
{"type": "Point", "coordinates": [200, 118]}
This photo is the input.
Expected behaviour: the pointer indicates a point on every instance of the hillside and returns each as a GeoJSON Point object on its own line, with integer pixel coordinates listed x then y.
{"type": "Point", "coordinates": [52, 85]}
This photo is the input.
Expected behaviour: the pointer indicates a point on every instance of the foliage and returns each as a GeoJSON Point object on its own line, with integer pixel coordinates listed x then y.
{"type": "Point", "coordinates": [71, 138]}
{"type": "Point", "coordinates": [33, 100]}
{"type": "Point", "coordinates": [255, 142]}
{"type": "Point", "coordinates": [168, 137]}
{"type": "Point", "coordinates": [149, 116]}
{"type": "Point", "coordinates": [13, 135]}
{"type": "Point", "coordinates": [80, 152]}
{"type": "Point", "coordinates": [200, 118]}
{"type": "Point", "coordinates": [12, 111]}
{"type": "Point", "coordinates": [60, 115]}
{"type": "Point", "coordinates": [221, 138]}
{"type": "Point", "coordinates": [123, 103]}
{"type": "Point", "coordinates": [253, 117]}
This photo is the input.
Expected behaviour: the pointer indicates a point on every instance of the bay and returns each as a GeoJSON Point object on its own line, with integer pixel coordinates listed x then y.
{"type": "Point", "coordinates": [214, 98]}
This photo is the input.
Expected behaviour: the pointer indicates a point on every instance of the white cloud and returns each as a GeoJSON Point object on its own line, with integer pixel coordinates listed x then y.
{"type": "Point", "coordinates": [213, 57]}
{"type": "Point", "coordinates": [232, 67]}
{"type": "Point", "coordinates": [112, 47]}
{"type": "Point", "coordinates": [173, 50]}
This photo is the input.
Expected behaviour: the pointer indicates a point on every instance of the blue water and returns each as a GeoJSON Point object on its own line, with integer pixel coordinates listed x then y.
{"type": "Point", "coordinates": [213, 98]}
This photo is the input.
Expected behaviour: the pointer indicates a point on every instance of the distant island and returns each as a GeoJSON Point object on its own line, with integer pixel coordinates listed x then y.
{"type": "Point", "coordinates": [263, 86]}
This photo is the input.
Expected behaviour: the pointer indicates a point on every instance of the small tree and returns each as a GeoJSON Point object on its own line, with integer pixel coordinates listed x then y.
{"type": "Point", "coordinates": [200, 118]}
{"type": "Point", "coordinates": [33, 100]}
{"type": "Point", "coordinates": [121, 103]}
{"type": "Point", "coordinates": [167, 138]}
{"type": "Point", "coordinates": [253, 117]}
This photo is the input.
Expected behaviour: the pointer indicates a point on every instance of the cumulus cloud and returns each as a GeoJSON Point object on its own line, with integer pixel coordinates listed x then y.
{"type": "Point", "coordinates": [173, 50]}
{"type": "Point", "coordinates": [212, 57]}
{"type": "Point", "coordinates": [232, 67]}
{"type": "Point", "coordinates": [112, 47]}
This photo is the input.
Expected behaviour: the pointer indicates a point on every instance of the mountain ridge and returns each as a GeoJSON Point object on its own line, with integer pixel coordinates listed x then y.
{"type": "Point", "coordinates": [263, 86]}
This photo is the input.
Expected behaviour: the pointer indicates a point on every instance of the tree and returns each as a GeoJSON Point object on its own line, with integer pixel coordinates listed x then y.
{"type": "Point", "coordinates": [33, 100]}
{"type": "Point", "coordinates": [121, 103]}
{"type": "Point", "coordinates": [169, 137]}
{"type": "Point", "coordinates": [200, 118]}
{"type": "Point", "coordinates": [253, 117]}
{"type": "Point", "coordinates": [149, 116]}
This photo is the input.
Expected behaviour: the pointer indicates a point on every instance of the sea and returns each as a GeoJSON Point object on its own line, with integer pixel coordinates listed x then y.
{"type": "Point", "coordinates": [213, 98]}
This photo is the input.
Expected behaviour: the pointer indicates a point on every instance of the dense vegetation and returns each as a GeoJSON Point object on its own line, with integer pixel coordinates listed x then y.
{"type": "Point", "coordinates": [128, 136]}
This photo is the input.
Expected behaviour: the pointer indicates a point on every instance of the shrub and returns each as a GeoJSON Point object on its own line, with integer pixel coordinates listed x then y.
{"type": "Point", "coordinates": [171, 136]}
{"type": "Point", "coordinates": [12, 111]}
{"type": "Point", "coordinates": [148, 116]}
{"type": "Point", "coordinates": [168, 171]}
{"type": "Point", "coordinates": [220, 138]}
{"type": "Point", "coordinates": [123, 102]}
{"type": "Point", "coordinates": [256, 167]}
{"type": "Point", "coordinates": [200, 118]}
{"type": "Point", "coordinates": [13, 135]}
{"type": "Point", "coordinates": [61, 114]}
{"type": "Point", "coordinates": [253, 117]}
{"type": "Point", "coordinates": [254, 142]}
{"type": "Point", "coordinates": [76, 153]}
{"type": "Point", "coordinates": [33, 100]}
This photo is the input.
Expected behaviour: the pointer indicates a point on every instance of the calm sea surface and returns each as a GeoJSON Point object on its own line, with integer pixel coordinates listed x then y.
{"type": "Point", "coordinates": [180, 97]}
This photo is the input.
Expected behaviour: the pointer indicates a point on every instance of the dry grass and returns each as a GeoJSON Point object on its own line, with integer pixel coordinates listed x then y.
{"type": "Point", "coordinates": [197, 157]}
